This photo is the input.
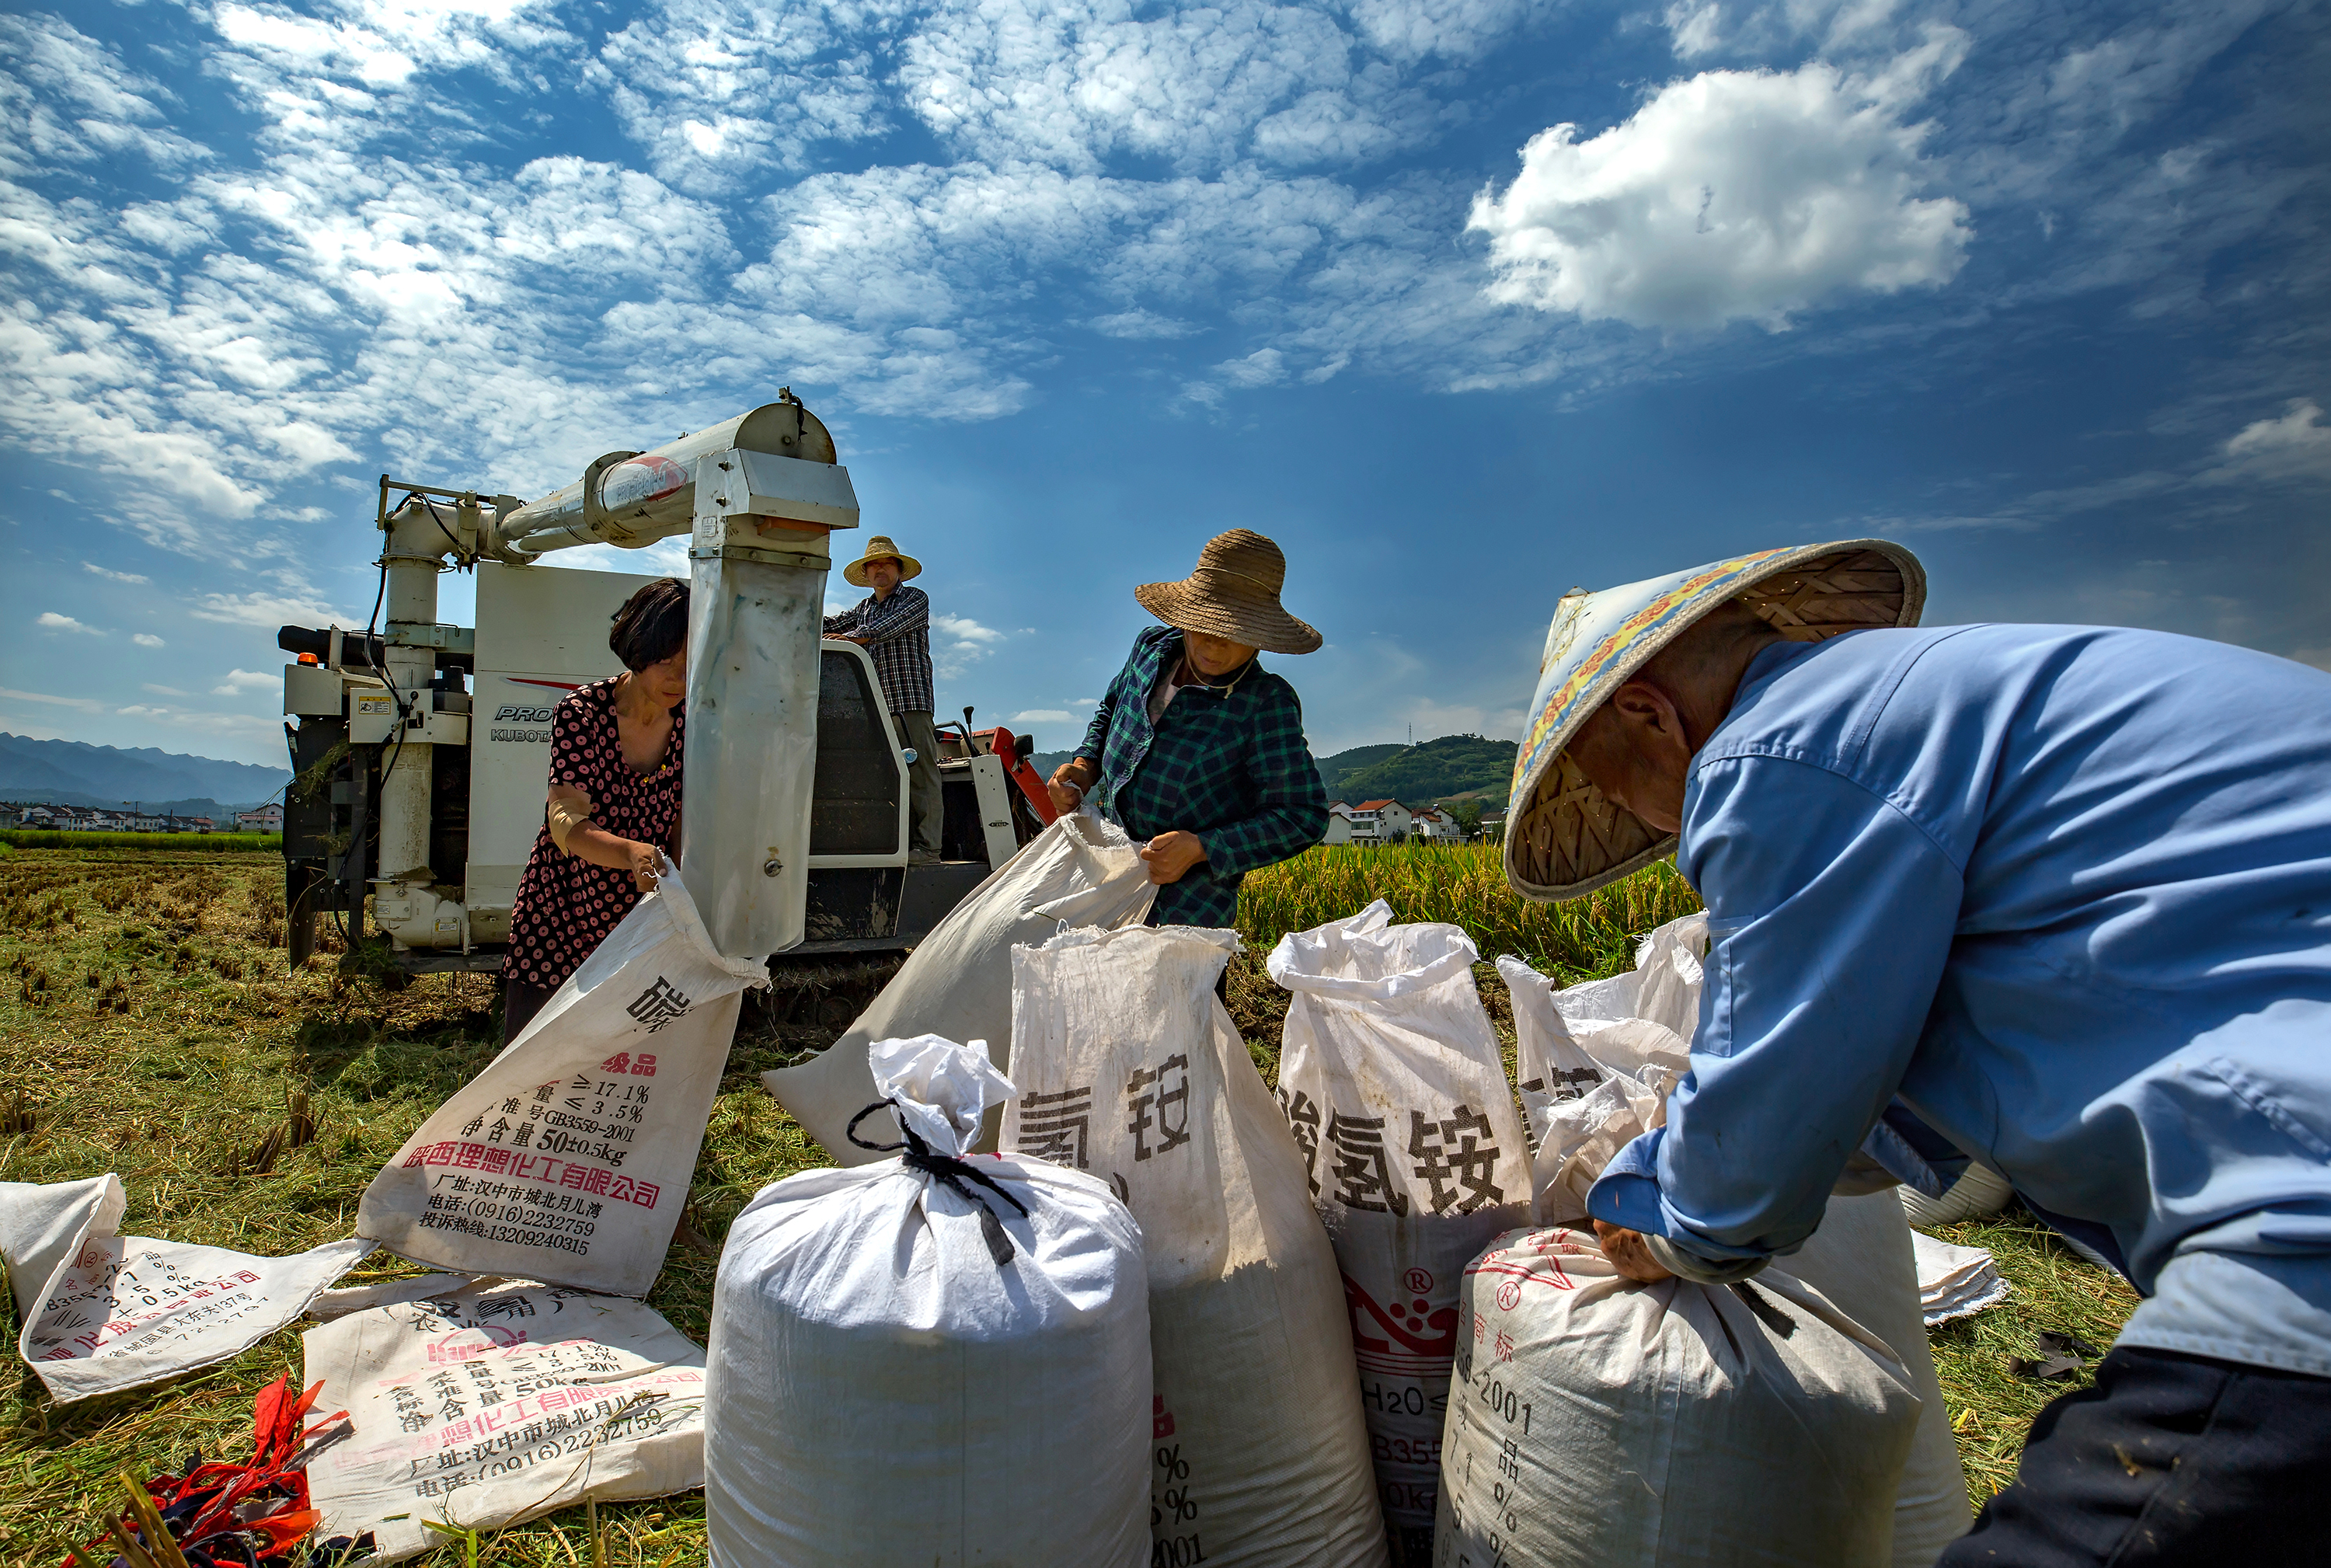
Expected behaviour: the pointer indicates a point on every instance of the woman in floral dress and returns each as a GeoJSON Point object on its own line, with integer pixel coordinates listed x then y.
{"type": "Point", "coordinates": [613, 810]}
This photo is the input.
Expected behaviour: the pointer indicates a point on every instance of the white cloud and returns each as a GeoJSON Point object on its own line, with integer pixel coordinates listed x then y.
{"type": "Point", "coordinates": [958, 643]}
{"type": "Point", "coordinates": [85, 704]}
{"type": "Point", "coordinates": [1139, 323]}
{"type": "Point", "coordinates": [239, 681]}
{"type": "Point", "coordinates": [111, 575]}
{"type": "Point", "coordinates": [965, 629]}
{"type": "Point", "coordinates": [1734, 195]}
{"type": "Point", "coordinates": [1044, 715]}
{"type": "Point", "coordinates": [2296, 446]}
{"type": "Point", "coordinates": [50, 621]}
{"type": "Point", "coordinates": [267, 610]}
{"type": "Point", "coordinates": [146, 640]}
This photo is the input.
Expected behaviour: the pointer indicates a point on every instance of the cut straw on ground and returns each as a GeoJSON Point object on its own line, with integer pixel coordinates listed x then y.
{"type": "Point", "coordinates": [148, 1026]}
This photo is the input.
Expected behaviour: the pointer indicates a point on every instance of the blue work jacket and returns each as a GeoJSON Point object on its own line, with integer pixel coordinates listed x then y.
{"type": "Point", "coordinates": [2064, 893]}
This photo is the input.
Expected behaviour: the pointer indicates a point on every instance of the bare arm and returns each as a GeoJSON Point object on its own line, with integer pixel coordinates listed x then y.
{"type": "Point", "coordinates": [573, 831]}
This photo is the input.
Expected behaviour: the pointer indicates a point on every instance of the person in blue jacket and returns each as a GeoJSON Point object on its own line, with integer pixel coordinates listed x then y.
{"type": "Point", "coordinates": [2057, 898]}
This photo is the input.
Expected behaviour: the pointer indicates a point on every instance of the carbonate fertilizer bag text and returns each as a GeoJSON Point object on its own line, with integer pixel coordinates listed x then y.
{"type": "Point", "coordinates": [930, 1360]}
{"type": "Point", "coordinates": [1595, 1422]}
{"type": "Point", "coordinates": [1127, 1066]}
{"type": "Point", "coordinates": [567, 1159]}
{"type": "Point", "coordinates": [1392, 1085]}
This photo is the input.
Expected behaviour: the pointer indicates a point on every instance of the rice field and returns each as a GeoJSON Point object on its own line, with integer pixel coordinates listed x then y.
{"type": "Point", "coordinates": [149, 1026]}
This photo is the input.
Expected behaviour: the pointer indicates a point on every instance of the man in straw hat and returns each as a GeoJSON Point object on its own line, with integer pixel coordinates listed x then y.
{"type": "Point", "coordinates": [894, 624]}
{"type": "Point", "coordinates": [1197, 747]}
{"type": "Point", "coordinates": [2057, 898]}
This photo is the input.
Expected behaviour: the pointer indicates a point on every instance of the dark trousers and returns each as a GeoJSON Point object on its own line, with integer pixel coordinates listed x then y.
{"type": "Point", "coordinates": [2169, 1458]}
{"type": "Point", "coordinates": [520, 1002]}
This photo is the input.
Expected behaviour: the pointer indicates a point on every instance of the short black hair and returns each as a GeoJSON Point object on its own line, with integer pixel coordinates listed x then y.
{"type": "Point", "coordinates": [652, 624]}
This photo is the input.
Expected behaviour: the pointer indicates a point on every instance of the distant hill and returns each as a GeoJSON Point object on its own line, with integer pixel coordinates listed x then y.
{"type": "Point", "coordinates": [1434, 770]}
{"type": "Point", "coordinates": [74, 772]}
{"type": "Point", "coordinates": [1437, 770]}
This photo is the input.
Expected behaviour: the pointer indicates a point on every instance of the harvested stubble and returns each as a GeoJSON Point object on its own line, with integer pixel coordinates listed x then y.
{"type": "Point", "coordinates": [174, 1073]}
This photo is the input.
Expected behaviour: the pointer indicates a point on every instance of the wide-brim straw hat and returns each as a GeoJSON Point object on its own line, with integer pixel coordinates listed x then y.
{"type": "Point", "coordinates": [1233, 593]}
{"type": "Point", "coordinates": [1562, 837]}
{"type": "Point", "coordinates": [877, 548]}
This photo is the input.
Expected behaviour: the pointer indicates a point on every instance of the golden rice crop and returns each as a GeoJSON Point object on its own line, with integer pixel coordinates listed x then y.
{"type": "Point", "coordinates": [1465, 885]}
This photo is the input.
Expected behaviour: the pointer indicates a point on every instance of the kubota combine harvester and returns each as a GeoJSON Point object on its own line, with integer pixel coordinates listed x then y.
{"type": "Point", "coordinates": [421, 749]}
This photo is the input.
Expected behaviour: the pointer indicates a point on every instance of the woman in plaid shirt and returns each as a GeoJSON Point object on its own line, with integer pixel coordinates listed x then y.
{"type": "Point", "coordinates": [1197, 747]}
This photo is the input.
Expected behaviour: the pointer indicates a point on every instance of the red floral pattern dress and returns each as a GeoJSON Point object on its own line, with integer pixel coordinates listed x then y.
{"type": "Point", "coordinates": [565, 906]}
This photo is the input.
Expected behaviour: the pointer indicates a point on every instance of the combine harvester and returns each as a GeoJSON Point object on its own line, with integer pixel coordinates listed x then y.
{"type": "Point", "coordinates": [422, 749]}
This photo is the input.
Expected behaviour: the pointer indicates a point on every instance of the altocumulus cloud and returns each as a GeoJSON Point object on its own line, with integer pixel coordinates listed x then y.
{"type": "Point", "coordinates": [1732, 194]}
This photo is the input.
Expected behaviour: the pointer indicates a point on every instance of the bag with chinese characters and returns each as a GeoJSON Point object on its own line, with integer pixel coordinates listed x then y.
{"type": "Point", "coordinates": [1391, 1082]}
{"type": "Point", "coordinates": [1593, 1420]}
{"type": "Point", "coordinates": [1596, 1063]}
{"type": "Point", "coordinates": [957, 983]}
{"type": "Point", "coordinates": [495, 1402]}
{"type": "Point", "coordinates": [567, 1159]}
{"type": "Point", "coordinates": [104, 1312]}
{"type": "Point", "coordinates": [1128, 1067]}
{"type": "Point", "coordinates": [930, 1360]}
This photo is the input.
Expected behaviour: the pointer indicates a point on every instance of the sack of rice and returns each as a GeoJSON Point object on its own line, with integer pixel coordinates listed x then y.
{"type": "Point", "coordinates": [1391, 1082]}
{"type": "Point", "coordinates": [1129, 1068]}
{"type": "Point", "coordinates": [930, 1360]}
{"type": "Point", "coordinates": [1594, 1421]}
{"type": "Point", "coordinates": [1081, 872]}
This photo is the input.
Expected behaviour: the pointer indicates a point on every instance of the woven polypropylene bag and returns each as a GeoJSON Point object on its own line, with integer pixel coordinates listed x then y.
{"type": "Point", "coordinates": [1596, 1422]}
{"type": "Point", "coordinates": [1128, 1067]}
{"type": "Point", "coordinates": [885, 1390]}
{"type": "Point", "coordinates": [1390, 1077]}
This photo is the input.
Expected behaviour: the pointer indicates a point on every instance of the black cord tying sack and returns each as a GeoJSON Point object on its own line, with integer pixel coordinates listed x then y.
{"type": "Point", "coordinates": [948, 1172]}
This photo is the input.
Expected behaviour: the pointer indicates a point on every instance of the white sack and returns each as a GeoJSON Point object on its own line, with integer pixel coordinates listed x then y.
{"type": "Point", "coordinates": [497, 1404]}
{"type": "Point", "coordinates": [1597, 1421]}
{"type": "Point", "coordinates": [567, 1159]}
{"type": "Point", "coordinates": [103, 1312]}
{"type": "Point", "coordinates": [1129, 1068]}
{"type": "Point", "coordinates": [1861, 1260]}
{"type": "Point", "coordinates": [1393, 1084]}
{"type": "Point", "coordinates": [1583, 1038]}
{"type": "Point", "coordinates": [957, 983]}
{"type": "Point", "coordinates": [884, 1392]}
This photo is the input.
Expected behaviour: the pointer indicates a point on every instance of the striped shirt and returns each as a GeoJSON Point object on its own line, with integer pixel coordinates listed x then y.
{"type": "Point", "coordinates": [898, 633]}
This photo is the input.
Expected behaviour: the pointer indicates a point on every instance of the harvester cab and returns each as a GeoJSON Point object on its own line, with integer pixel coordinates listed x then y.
{"type": "Point", "coordinates": [420, 750]}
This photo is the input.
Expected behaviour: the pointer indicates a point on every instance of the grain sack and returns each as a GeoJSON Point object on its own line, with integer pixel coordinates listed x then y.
{"type": "Point", "coordinates": [567, 1159]}
{"type": "Point", "coordinates": [1595, 1422]}
{"type": "Point", "coordinates": [1862, 1260]}
{"type": "Point", "coordinates": [1392, 1085]}
{"type": "Point", "coordinates": [931, 1360]}
{"type": "Point", "coordinates": [497, 1404]}
{"type": "Point", "coordinates": [104, 1312]}
{"type": "Point", "coordinates": [1127, 1066]}
{"type": "Point", "coordinates": [957, 983]}
{"type": "Point", "coordinates": [1594, 1076]}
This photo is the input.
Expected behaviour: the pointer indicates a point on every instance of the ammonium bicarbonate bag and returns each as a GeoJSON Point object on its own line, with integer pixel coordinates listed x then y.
{"type": "Point", "coordinates": [1127, 1066]}
{"type": "Point", "coordinates": [930, 1360]}
{"type": "Point", "coordinates": [1394, 1088]}
{"type": "Point", "coordinates": [1593, 1420]}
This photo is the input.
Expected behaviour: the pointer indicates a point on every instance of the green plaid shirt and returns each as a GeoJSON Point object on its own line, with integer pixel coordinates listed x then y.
{"type": "Point", "coordinates": [1232, 769]}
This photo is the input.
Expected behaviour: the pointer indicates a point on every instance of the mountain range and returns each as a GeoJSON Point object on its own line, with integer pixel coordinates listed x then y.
{"type": "Point", "coordinates": [1454, 767]}
{"type": "Point", "coordinates": [75, 773]}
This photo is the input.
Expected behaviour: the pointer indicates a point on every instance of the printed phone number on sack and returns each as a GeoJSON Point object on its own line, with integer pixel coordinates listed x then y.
{"type": "Point", "coordinates": [510, 1234]}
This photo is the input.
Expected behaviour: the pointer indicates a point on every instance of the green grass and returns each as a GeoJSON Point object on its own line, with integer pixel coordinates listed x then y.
{"type": "Point", "coordinates": [49, 838]}
{"type": "Point", "coordinates": [148, 1023]}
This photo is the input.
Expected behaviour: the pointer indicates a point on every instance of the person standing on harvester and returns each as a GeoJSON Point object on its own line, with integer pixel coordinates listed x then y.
{"type": "Point", "coordinates": [2055, 897]}
{"type": "Point", "coordinates": [893, 623]}
{"type": "Point", "coordinates": [1198, 749]}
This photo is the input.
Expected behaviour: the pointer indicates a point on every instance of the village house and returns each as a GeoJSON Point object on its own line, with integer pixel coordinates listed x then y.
{"type": "Point", "coordinates": [267, 819]}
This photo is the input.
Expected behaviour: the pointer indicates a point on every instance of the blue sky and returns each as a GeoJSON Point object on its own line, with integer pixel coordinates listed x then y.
{"type": "Point", "coordinates": [1464, 302]}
